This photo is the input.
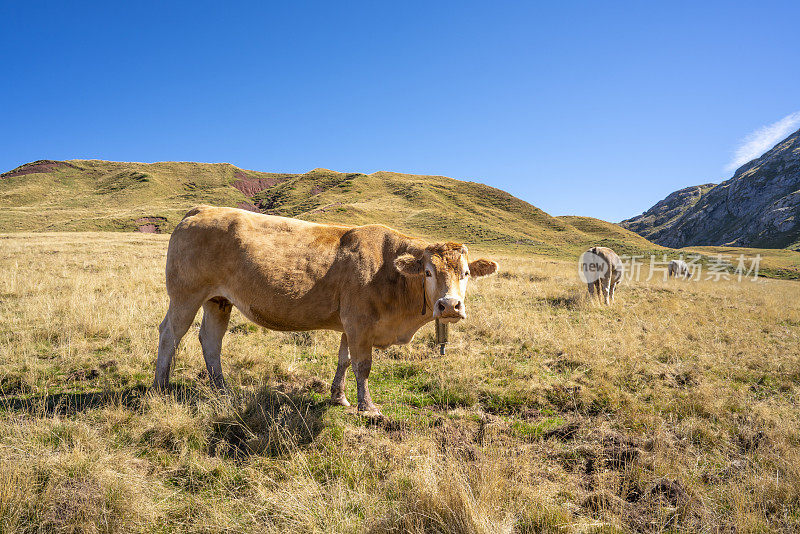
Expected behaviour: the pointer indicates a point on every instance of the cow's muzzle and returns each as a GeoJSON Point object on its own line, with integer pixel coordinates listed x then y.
{"type": "Point", "coordinates": [449, 310]}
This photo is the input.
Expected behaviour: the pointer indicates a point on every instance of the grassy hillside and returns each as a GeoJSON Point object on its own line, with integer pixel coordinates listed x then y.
{"type": "Point", "coordinates": [623, 241]}
{"type": "Point", "coordinates": [674, 410]}
{"type": "Point", "coordinates": [102, 195]}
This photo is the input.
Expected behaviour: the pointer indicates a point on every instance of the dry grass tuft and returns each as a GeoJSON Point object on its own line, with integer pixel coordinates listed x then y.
{"type": "Point", "coordinates": [448, 498]}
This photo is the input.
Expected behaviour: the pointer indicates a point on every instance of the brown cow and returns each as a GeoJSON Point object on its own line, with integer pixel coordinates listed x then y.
{"type": "Point", "coordinates": [372, 283]}
{"type": "Point", "coordinates": [611, 276]}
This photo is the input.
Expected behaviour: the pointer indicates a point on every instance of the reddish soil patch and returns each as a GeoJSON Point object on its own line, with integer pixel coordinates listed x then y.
{"type": "Point", "coordinates": [150, 225]}
{"type": "Point", "coordinates": [40, 166]}
{"type": "Point", "coordinates": [250, 186]}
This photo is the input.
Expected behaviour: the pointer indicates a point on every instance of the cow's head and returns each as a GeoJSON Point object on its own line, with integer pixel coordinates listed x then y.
{"type": "Point", "coordinates": [445, 270]}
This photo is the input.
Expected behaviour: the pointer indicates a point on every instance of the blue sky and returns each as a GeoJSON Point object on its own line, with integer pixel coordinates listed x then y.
{"type": "Point", "coordinates": [587, 108]}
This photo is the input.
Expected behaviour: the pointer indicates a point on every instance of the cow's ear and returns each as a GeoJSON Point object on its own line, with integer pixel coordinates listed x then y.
{"type": "Point", "coordinates": [408, 265]}
{"type": "Point", "coordinates": [482, 267]}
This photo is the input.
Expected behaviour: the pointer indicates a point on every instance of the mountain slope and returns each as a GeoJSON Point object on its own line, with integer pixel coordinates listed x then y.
{"type": "Point", "coordinates": [666, 212]}
{"type": "Point", "coordinates": [101, 195]}
{"type": "Point", "coordinates": [758, 207]}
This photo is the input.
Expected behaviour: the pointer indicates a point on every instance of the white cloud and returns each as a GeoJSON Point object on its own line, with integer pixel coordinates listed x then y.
{"type": "Point", "coordinates": [761, 140]}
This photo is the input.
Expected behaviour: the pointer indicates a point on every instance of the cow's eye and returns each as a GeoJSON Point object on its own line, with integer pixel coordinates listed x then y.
{"type": "Point", "coordinates": [427, 273]}
{"type": "Point", "coordinates": [466, 274]}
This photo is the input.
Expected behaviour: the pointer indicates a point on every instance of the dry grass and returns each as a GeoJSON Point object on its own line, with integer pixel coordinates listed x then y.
{"type": "Point", "coordinates": [676, 409]}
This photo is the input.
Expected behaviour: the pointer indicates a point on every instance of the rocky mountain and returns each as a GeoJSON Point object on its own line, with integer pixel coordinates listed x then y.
{"type": "Point", "coordinates": [666, 212]}
{"type": "Point", "coordinates": [758, 207]}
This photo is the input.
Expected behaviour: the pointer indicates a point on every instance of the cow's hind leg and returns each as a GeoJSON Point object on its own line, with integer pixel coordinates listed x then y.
{"type": "Point", "coordinates": [612, 289]}
{"type": "Point", "coordinates": [596, 289]}
{"type": "Point", "coordinates": [171, 330]}
{"type": "Point", "coordinates": [337, 388]}
{"type": "Point", "coordinates": [216, 314]}
{"type": "Point", "coordinates": [605, 285]}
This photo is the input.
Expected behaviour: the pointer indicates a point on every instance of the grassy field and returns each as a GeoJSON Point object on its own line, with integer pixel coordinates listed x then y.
{"type": "Point", "coordinates": [676, 409]}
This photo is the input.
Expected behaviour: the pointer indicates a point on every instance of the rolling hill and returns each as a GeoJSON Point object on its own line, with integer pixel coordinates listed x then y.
{"type": "Point", "coordinates": [758, 207]}
{"type": "Point", "coordinates": [92, 195]}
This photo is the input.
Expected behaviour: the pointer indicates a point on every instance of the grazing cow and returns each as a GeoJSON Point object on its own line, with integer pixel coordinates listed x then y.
{"type": "Point", "coordinates": [611, 276]}
{"type": "Point", "coordinates": [372, 283]}
{"type": "Point", "coordinates": [679, 268]}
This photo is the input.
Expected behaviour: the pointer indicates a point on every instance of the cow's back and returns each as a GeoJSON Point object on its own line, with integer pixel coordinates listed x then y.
{"type": "Point", "coordinates": [612, 259]}
{"type": "Point", "coordinates": [282, 273]}
{"type": "Point", "coordinates": [678, 267]}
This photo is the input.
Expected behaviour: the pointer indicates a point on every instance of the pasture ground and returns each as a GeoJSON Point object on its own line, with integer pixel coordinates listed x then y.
{"type": "Point", "coordinates": [675, 409]}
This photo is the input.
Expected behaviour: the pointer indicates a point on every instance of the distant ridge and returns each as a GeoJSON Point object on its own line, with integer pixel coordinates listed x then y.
{"type": "Point", "coordinates": [81, 195]}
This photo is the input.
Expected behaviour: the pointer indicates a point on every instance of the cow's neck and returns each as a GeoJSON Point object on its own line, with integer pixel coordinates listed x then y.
{"type": "Point", "coordinates": [417, 305]}
{"type": "Point", "coordinates": [401, 298]}
{"type": "Point", "coordinates": [399, 327]}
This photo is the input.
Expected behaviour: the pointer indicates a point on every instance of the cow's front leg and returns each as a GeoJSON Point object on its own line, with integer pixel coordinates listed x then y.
{"type": "Point", "coordinates": [361, 357]}
{"type": "Point", "coordinates": [337, 388]}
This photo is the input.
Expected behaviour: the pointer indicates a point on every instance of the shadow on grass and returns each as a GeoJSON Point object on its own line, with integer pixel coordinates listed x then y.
{"type": "Point", "coordinates": [72, 403]}
{"type": "Point", "coordinates": [272, 421]}
{"type": "Point", "coordinates": [569, 302]}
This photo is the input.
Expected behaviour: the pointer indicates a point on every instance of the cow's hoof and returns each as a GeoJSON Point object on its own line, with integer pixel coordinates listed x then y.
{"type": "Point", "coordinates": [218, 385]}
{"type": "Point", "coordinates": [340, 400]}
{"type": "Point", "coordinates": [369, 411]}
